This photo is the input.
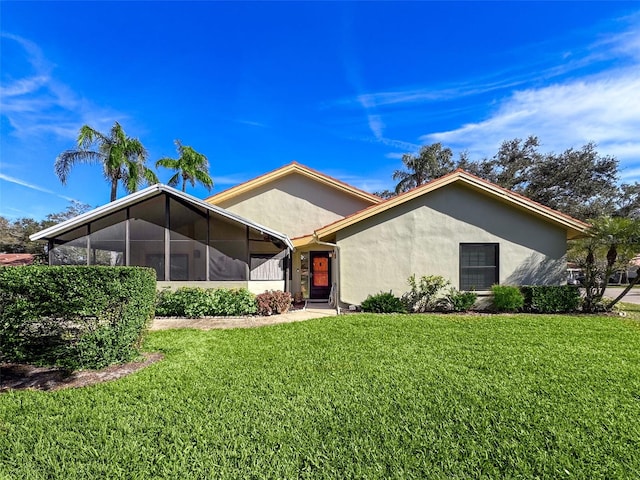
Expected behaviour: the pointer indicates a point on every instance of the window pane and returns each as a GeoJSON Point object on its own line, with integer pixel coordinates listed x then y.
{"type": "Point", "coordinates": [70, 253]}
{"type": "Point", "coordinates": [478, 266]}
{"type": "Point", "coordinates": [228, 249]}
{"type": "Point", "coordinates": [228, 260]}
{"type": "Point", "coordinates": [146, 233]}
{"type": "Point", "coordinates": [188, 234]}
{"type": "Point", "coordinates": [108, 243]}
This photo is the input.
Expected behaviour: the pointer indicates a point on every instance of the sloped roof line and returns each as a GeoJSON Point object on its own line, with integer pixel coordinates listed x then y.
{"type": "Point", "coordinates": [293, 167]}
{"type": "Point", "coordinates": [573, 225]}
{"type": "Point", "coordinates": [143, 195]}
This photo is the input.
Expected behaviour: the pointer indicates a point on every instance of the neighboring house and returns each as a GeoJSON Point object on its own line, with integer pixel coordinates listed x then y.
{"type": "Point", "coordinates": [472, 232]}
{"type": "Point", "coordinates": [16, 259]}
{"type": "Point", "coordinates": [184, 239]}
{"type": "Point", "coordinates": [300, 230]}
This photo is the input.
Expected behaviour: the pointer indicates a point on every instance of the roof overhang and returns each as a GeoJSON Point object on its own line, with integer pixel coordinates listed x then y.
{"type": "Point", "coordinates": [574, 228]}
{"type": "Point", "coordinates": [145, 194]}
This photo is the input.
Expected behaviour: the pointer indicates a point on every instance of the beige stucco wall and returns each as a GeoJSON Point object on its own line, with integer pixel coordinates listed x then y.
{"type": "Point", "coordinates": [294, 205]}
{"type": "Point", "coordinates": [423, 235]}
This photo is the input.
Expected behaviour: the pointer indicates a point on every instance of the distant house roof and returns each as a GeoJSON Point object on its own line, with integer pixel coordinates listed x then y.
{"type": "Point", "coordinates": [293, 167]}
{"type": "Point", "coordinates": [16, 259]}
{"type": "Point", "coordinates": [574, 228]}
{"type": "Point", "coordinates": [144, 194]}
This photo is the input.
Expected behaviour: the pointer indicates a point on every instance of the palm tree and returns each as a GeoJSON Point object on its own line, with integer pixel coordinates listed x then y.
{"type": "Point", "coordinates": [122, 158]}
{"type": "Point", "coordinates": [432, 161]}
{"type": "Point", "coordinates": [190, 165]}
{"type": "Point", "coordinates": [612, 243]}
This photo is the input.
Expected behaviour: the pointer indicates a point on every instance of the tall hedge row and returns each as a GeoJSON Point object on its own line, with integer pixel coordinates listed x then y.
{"type": "Point", "coordinates": [74, 316]}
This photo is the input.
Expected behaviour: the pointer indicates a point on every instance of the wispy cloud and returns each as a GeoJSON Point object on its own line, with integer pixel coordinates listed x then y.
{"type": "Point", "coordinates": [38, 104]}
{"type": "Point", "coordinates": [252, 123]}
{"type": "Point", "coordinates": [32, 186]}
{"type": "Point", "coordinates": [604, 108]}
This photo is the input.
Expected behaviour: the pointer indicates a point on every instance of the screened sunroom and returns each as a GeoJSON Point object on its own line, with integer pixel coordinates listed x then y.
{"type": "Point", "coordinates": [186, 241]}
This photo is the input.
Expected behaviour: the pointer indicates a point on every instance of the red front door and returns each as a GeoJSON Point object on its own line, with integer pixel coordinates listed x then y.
{"type": "Point", "coordinates": [320, 275]}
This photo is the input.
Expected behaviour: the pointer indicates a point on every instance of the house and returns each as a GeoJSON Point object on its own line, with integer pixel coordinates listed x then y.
{"type": "Point", "coordinates": [300, 230]}
{"type": "Point", "coordinates": [472, 232]}
{"type": "Point", "coordinates": [183, 238]}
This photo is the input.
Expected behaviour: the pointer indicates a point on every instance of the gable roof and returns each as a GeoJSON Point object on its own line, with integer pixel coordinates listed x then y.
{"type": "Point", "coordinates": [144, 194]}
{"type": "Point", "coordinates": [293, 167]}
{"type": "Point", "coordinates": [574, 228]}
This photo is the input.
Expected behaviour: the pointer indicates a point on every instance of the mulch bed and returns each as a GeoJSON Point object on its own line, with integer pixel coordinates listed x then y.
{"type": "Point", "coordinates": [15, 376]}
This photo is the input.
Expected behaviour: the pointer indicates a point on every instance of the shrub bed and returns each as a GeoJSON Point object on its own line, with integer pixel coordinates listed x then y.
{"type": "Point", "coordinates": [74, 316]}
{"type": "Point", "coordinates": [273, 302]}
{"type": "Point", "coordinates": [551, 298]}
{"type": "Point", "coordinates": [383, 302]}
{"type": "Point", "coordinates": [194, 302]}
{"type": "Point", "coordinates": [507, 298]}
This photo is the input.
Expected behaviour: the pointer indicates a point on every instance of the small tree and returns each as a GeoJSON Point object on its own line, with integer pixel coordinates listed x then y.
{"type": "Point", "coordinates": [191, 166]}
{"type": "Point", "coordinates": [612, 243]}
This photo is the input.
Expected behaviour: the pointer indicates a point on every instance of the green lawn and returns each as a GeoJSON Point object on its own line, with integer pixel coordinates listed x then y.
{"type": "Point", "coordinates": [357, 396]}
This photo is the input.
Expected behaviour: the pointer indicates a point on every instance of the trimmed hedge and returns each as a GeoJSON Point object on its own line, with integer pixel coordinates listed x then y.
{"type": "Point", "coordinates": [194, 302]}
{"type": "Point", "coordinates": [507, 298]}
{"type": "Point", "coordinates": [75, 317]}
{"type": "Point", "coordinates": [551, 298]}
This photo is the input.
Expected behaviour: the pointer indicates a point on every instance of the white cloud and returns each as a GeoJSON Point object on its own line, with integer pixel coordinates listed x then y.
{"type": "Point", "coordinates": [376, 125]}
{"type": "Point", "coordinates": [604, 109]}
{"type": "Point", "coordinates": [39, 104]}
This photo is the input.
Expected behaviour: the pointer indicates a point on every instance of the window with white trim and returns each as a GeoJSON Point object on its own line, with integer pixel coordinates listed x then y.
{"type": "Point", "coordinates": [478, 266]}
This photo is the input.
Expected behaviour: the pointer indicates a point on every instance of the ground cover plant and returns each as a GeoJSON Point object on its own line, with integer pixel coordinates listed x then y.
{"type": "Point", "coordinates": [354, 396]}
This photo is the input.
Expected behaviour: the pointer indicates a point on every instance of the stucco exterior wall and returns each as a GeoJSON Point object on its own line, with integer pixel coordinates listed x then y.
{"type": "Point", "coordinates": [423, 236]}
{"type": "Point", "coordinates": [294, 205]}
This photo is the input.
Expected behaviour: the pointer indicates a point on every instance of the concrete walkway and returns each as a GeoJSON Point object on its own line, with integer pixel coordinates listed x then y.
{"type": "Point", "coordinates": [312, 310]}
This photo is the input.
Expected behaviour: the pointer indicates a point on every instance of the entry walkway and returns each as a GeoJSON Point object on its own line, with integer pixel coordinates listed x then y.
{"type": "Point", "coordinates": [312, 310]}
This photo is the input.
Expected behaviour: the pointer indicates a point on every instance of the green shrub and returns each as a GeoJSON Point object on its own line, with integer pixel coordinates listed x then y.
{"type": "Point", "coordinates": [424, 294]}
{"type": "Point", "coordinates": [74, 316]}
{"type": "Point", "coordinates": [551, 298]}
{"type": "Point", "coordinates": [194, 302]}
{"type": "Point", "coordinates": [457, 301]}
{"type": "Point", "coordinates": [507, 298]}
{"type": "Point", "coordinates": [383, 302]}
{"type": "Point", "coordinates": [273, 302]}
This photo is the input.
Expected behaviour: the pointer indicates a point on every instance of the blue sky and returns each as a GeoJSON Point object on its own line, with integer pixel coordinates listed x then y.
{"type": "Point", "coordinates": [345, 88]}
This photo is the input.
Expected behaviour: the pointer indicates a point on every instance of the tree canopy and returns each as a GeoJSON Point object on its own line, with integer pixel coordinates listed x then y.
{"type": "Point", "coordinates": [432, 161]}
{"type": "Point", "coordinates": [122, 158]}
{"type": "Point", "coordinates": [578, 181]}
{"type": "Point", "coordinates": [191, 166]}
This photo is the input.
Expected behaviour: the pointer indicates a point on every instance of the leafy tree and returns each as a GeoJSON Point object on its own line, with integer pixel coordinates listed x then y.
{"type": "Point", "coordinates": [14, 235]}
{"type": "Point", "coordinates": [580, 183]}
{"type": "Point", "coordinates": [629, 201]}
{"type": "Point", "coordinates": [122, 158]}
{"type": "Point", "coordinates": [612, 243]}
{"type": "Point", "coordinates": [190, 165]}
{"type": "Point", "coordinates": [512, 166]}
{"type": "Point", "coordinates": [432, 161]}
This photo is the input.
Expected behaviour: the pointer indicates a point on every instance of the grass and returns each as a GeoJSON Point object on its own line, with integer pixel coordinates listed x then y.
{"type": "Point", "coordinates": [358, 396]}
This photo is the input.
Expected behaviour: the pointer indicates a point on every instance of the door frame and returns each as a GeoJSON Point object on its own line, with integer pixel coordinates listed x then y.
{"type": "Point", "coordinates": [320, 292]}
